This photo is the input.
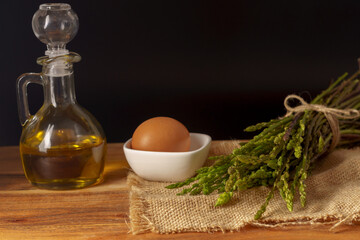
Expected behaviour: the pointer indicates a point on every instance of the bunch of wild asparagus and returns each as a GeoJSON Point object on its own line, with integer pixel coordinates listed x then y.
{"type": "Point", "coordinates": [282, 154]}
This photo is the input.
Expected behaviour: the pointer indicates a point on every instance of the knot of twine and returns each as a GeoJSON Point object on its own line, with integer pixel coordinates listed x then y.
{"type": "Point", "coordinates": [331, 114]}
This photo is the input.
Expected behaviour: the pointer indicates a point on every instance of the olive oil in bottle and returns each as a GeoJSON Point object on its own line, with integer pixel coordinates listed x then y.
{"type": "Point", "coordinates": [62, 146]}
{"type": "Point", "coordinates": [67, 166]}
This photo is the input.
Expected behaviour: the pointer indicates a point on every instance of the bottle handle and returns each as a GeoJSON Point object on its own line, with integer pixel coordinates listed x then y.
{"type": "Point", "coordinates": [21, 90]}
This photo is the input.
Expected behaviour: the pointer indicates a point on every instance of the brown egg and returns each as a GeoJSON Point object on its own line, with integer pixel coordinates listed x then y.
{"type": "Point", "coordinates": [162, 134]}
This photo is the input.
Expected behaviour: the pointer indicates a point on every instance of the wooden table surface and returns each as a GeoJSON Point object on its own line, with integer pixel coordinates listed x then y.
{"type": "Point", "coordinates": [101, 212]}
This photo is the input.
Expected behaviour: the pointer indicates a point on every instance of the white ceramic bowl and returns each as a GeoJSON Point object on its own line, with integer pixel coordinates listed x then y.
{"type": "Point", "coordinates": [169, 166]}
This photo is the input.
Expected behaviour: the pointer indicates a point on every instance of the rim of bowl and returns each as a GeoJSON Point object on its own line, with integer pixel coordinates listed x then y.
{"type": "Point", "coordinates": [208, 141]}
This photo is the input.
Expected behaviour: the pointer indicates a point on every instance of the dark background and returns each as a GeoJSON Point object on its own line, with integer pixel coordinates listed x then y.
{"type": "Point", "coordinates": [216, 66]}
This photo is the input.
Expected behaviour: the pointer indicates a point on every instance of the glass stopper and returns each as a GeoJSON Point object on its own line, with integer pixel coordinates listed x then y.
{"type": "Point", "coordinates": [55, 24]}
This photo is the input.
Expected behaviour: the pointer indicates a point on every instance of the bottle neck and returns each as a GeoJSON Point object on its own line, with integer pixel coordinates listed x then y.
{"type": "Point", "coordinates": [59, 89]}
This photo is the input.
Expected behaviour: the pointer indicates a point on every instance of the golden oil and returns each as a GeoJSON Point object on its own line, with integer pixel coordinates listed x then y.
{"type": "Point", "coordinates": [75, 164]}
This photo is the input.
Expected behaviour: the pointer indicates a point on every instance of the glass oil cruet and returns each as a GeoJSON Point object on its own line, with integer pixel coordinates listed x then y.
{"type": "Point", "coordinates": [62, 146]}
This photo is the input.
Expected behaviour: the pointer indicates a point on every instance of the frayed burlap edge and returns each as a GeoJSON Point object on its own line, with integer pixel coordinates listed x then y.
{"type": "Point", "coordinates": [141, 220]}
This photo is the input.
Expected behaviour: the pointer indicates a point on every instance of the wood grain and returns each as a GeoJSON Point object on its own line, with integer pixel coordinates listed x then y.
{"type": "Point", "coordinates": [101, 212]}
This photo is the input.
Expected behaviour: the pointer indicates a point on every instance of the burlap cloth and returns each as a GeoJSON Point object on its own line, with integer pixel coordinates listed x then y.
{"type": "Point", "coordinates": [333, 194]}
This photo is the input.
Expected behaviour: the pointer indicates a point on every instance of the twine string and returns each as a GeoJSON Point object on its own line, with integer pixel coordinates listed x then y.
{"type": "Point", "coordinates": [339, 113]}
{"type": "Point", "coordinates": [332, 115]}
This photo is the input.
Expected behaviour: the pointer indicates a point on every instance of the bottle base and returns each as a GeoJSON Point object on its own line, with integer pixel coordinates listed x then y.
{"type": "Point", "coordinates": [66, 184]}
